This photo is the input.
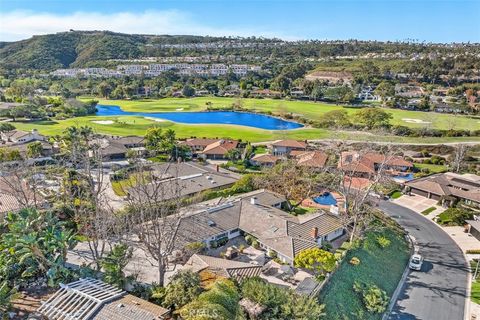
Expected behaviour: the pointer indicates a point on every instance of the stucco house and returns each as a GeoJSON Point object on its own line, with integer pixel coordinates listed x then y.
{"type": "Point", "coordinates": [285, 147]}
{"type": "Point", "coordinates": [258, 214]}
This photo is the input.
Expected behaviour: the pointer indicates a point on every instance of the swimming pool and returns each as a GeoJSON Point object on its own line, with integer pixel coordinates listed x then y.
{"type": "Point", "coordinates": [248, 119]}
{"type": "Point", "coordinates": [404, 177]}
{"type": "Point", "coordinates": [325, 199]}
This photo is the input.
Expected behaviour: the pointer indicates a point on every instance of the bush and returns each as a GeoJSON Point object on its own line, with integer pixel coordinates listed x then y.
{"type": "Point", "coordinates": [354, 261]}
{"type": "Point", "coordinates": [383, 241]}
{"type": "Point", "coordinates": [454, 217]}
{"type": "Point", "coordinates": [473, 251]}
{"type": "Point", "coordinates": [375, 299]}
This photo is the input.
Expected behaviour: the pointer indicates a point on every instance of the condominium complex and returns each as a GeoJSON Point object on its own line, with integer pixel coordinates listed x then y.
{"type": "Point", "coordinates": [154, 70]}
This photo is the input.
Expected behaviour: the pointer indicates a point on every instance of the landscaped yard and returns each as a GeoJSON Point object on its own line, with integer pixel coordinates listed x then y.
{"type": "Point", "coordinates": [121, 186]}
{"type": "Point", "coordinates": [380, 266]}
{"type": "Point", "coordinates": [136, 125]}
{"type": "Point", "coordinates": [433, 168]}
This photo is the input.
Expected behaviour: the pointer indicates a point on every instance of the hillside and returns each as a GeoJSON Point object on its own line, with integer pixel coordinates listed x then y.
{"type": "Point", "coordinates": [68, 49]}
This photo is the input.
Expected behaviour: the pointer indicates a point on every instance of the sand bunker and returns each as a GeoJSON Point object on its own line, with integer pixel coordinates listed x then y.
{"type": "Point", "coordinates": [103, 121]}
{"type": "Point", "coordinates": [155, 119]}
{"type": "Point", "coordinates": [415, 121]}
{"type": "Point", "coordinates": [179, 109]}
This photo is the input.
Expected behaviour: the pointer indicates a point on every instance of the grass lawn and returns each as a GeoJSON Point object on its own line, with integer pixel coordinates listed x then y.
{"type": "Point", "coordinates": [429, 210]}
{"type": "Point", "coordinates": [120, 186]}
{"type": "Point", "coordinates": [475, 295]}
{"type": "Point", "coordinates": [136, 125]}
{"type": "Point", "coordinates": [382, 267]}
{"type": "Point", "coordinates": [396, 195]}
{"type": "Point", "coordinates": [433, 168]}
{"type": "Point", "coordinates": [308, 109]}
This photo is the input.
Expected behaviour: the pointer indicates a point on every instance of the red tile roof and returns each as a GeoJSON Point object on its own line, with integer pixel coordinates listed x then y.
{"type": "Point", "coordinates": [220, 147]}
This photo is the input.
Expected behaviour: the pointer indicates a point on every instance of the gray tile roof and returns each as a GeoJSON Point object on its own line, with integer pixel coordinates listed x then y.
{"type": "Point", "coordinates": [281, 231]}
{"type": "Point", "coordinates": [227, 268]}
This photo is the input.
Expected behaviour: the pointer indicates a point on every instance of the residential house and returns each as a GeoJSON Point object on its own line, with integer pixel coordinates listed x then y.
{"type": "Point", "coordinates": [448, 188]}
{"type": "Point", "coordinates": [265, 160]}
{"type": "Point", "coordinates": [367, 164]}
{"type": "Point", "coordinates": [285, 147]}
{"type": "Point", "coordinates": [92, 299]}
{"type": "Point", "coordinates": [184, 179]}
{"type": "Point", "coordinates": [20, 136]}
{"type": "Point", "coordinates": [47, 148]}
{"type": "Point", "coordinates": [116, 148]}
{"type": "Point", "coordinates": [198, 144]}
{"type": "Point", "coordinates": [218, 150]}
{"type": "Point", "coordinates": [259, 214]}
{"type": "Point", "coordinates": [311, 159]}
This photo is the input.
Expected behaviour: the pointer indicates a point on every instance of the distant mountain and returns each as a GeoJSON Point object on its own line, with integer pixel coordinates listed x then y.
{"type": "Point", "coordinates": [69, 49]}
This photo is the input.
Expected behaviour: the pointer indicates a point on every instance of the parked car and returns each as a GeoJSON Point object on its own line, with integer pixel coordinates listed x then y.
{"type": "Point", "coordinates": [416, 262]}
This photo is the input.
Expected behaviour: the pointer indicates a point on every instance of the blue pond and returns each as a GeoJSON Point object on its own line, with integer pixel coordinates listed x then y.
{"type": "Point", "coordinates": [208, 117]}
{"type": "Point", "coordinates": [325, 199]}
{"type": "Point", "coordinates": [405, 177]}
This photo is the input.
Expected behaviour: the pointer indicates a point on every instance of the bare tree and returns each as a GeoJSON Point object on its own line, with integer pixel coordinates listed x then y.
{"type": "Point", "coordinates": [85, 191]}
{"type": "Point", "coordinates": [296, 183]}
{"type": "Point", "coordinates": [358, 184]}
{"type": "Point", "coordinates": [458, 156]}
{"type": "Point", "coordinates": [154, 217]}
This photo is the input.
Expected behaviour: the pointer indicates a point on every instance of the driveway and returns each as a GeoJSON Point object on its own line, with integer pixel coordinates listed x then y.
{"type": "Point", "coordinates": [439, 291]}
{"type": "Point", "coordinates": [417, 203]}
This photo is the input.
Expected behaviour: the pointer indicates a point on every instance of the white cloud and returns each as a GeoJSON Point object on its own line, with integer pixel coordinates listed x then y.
{"type": "Point", "coordinates": [16, 25]}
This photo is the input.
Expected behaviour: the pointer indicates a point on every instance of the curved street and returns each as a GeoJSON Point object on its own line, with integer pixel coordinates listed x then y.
{"type": "Point", "coordinates": [439, 291]}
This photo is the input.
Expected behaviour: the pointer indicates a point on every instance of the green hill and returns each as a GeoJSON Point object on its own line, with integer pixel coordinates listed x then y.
{"type": "Point", "coordinates": [69, 49]}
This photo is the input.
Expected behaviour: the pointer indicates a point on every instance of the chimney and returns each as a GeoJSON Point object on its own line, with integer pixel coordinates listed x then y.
{"type": "Point", "coordinates": [314, 233]}
{"type": "Point", "coordinates": [217, 168]}
{"type": "Point", "coordinates": [253, 200]}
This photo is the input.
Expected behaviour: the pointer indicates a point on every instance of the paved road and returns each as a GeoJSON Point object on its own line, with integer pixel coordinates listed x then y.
{"type": "Point", "coordinates": [439, 291]}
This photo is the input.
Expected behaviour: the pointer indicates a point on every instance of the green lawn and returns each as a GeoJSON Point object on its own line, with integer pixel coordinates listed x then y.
{"type": "Point", "coordinates": [434, 168]}
{"type": "Point", "coordinates": [475, 294]}
{"type": "Point", "coordinates": [135, 125]}
{"type": "Point", "coordinates": [396, 194]}
{"type": "Point", "coordinates": [382, 267]}
{"type": "Point", "coordinates": [429, 210]}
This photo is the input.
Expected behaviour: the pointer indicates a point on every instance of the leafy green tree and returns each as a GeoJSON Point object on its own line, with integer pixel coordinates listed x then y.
{"type": "Point", "coordinates": [280, 303]}
{"type": "Point", "coordinates": [385, 90]}
{"type": "Point", "coordinates": [317, 93]}
{"type": "Point", "coordinates": [183, 288]}
{"type": "Point", "coordinates": [424, 103]}
{"type": "Point", "coordinates": [188, 91]}
{"type": "Point", "coordinates": [104, 89]}
{"type": "Point", "coordinates": [5, 127]}
{"type": "Point", "coordinates": [114, 264]}
{"type": "Point", "coordinates": [35, 244]}
{"type": "Point", "coordinates": [371, 118]}
{"type": "Point", "coordinates": [7, 294]}
{"type": "Point", "coordinates": [233, 154]}
{"type": "Point", "coordinates": [334, 119]}
{"type": "Point", "coordinates": [34, 149]}
{"type": "Point", "coordinates": [219, 302]}
{"type": "Point", "coordinates": [317, 260]}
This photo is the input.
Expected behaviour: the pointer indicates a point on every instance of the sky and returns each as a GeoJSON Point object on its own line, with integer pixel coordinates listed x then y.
{"type": "Point", "coordinates": [384, 20]}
